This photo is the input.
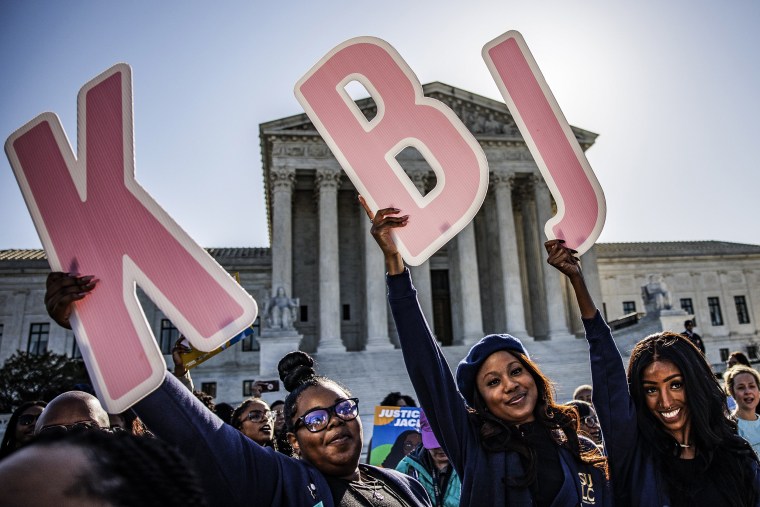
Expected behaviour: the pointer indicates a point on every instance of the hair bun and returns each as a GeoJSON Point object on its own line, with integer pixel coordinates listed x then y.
{"type": "Point", "coordinates": [295, 368]}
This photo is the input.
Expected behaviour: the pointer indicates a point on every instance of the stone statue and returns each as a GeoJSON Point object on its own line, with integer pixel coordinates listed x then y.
{"type": "Point", "coordinates": [655, 294]}
{"type": "Point", "coordinates": [280, 310]}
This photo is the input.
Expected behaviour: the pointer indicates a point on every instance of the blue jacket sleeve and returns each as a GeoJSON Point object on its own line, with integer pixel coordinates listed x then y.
{"type": "Point", "coordinates": [612, 399]}
{"type": "Point", "coordinates": [233, 468]}
{"type": "Point", "coordinates": [429, 372]}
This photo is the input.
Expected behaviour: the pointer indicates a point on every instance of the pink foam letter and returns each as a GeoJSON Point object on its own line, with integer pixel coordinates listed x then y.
{"type": "Point", "coordinates": [405, 117]}
{"type": "Point", "coordinates": [93, 218]}
{"type": "Point", "coordinates": [581, 209]}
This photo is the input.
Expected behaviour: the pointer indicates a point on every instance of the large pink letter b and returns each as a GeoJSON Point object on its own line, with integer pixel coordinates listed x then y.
{"type": "Point", "coordinates": [367, 149]}
{"type": "Point", "coordinates": [581, 209]}
{"type": "Point", "coordinates": [94, 218]}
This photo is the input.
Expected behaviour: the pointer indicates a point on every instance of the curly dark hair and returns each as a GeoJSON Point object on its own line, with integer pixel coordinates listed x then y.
{"type": "Point", "coordinates": [391, 399]}
{"type": "Point", "coordinates": [561, 421]}
{"type": "Point", "coordinates": [722, 455]}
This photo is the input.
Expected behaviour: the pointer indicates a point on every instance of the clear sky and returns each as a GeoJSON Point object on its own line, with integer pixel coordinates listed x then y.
{"type": "Point", "coordinates": [671, 87]}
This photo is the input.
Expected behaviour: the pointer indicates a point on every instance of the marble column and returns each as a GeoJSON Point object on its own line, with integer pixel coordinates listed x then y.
{"type": "Point", "coordinates": [376, 300]}
{"type": "Point", "coordinates": [421, 273]}
{"type": "Point", "coordinates": [533, 258]}
{"type": "Point", "coordinates": [327, 184]}
{"type": "Point", "coordinates": [555, 304]}
{"type": "Point", "coordinates": [282, 180]}
{"type": "Point", "coordinates": [469, 286]}
{"type": "Point", "coordinates": [508, 255]}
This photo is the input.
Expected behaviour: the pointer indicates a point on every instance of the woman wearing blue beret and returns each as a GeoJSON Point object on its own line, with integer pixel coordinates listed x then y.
{"type": "Point", "coordinates": [508, 440]}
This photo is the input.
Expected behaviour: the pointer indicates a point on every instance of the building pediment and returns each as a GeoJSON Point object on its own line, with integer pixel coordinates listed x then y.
{"type": "Point", "coordinates": [487, 119]}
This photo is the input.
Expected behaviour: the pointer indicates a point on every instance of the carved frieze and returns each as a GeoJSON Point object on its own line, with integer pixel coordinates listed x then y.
{"type": "Point", "coordinates": [318, 151]}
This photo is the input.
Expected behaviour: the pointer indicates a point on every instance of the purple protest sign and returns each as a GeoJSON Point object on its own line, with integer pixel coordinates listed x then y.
{"type": "Point", "coordinates": [94, 218]}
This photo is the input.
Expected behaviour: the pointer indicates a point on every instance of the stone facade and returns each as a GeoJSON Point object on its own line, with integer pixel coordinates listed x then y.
{"type": "Point", "coordinates": [716, 282]}
{"type": "Point", "coordinates": [490, 278]}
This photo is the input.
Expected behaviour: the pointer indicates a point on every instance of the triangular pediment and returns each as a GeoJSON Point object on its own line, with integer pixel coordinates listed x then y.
{"type": "Point", "coordinates": [484, 117]}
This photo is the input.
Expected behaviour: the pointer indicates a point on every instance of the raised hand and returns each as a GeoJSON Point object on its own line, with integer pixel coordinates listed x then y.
{"type": "Point", "coordinates": [565, 261]}
{"type": "Point", "coordinates": [563, 258]}
{"type": "Point", "coordinates": [62, 291]}
{"type": "Point", "coordinates": [383, 222]}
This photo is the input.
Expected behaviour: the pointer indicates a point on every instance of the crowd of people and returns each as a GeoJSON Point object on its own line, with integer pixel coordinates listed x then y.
{"type": "Point", "coordinates": [661, 432]}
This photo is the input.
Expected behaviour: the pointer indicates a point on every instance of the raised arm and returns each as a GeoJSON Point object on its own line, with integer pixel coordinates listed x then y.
{"type": "Point", "coordinates": [425, 363]}
{"type": "Point", "coordinates": [233, 468]}
{"type": "Point", "coordinates": [611, 397]}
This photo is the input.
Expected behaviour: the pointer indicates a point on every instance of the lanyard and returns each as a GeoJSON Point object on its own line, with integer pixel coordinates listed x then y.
{"type": "Point", "coordinates": [437, 488]}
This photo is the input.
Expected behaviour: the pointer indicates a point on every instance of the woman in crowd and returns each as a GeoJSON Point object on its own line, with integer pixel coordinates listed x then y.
{"type": "Point", "coordinates": [665, 424]}
{"type": "Point", "coordinates": [281, 442]}
{"type": "Point", "coordinates": [511, 444]}
{"type": "Point", "coordinates": [20, 428]}
{"type": "Point", "coordinates": [742, 384]}
{"type": "Point", "coordinates": [254, 419]}
{"type": "Point", "coordinates": [322, 421]}
{"type": "Point", "coordinates": [734, 359]}
{"type": "Point", "coordinates": [588, 422]}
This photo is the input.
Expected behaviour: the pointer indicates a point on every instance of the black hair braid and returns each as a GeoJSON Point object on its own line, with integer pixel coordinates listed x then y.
{"type": "Point", "coordinates": [297, 373]}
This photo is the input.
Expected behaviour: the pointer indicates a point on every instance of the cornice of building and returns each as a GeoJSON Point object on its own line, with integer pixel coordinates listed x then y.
{"type": "Point", "coordinates": [614, 251]}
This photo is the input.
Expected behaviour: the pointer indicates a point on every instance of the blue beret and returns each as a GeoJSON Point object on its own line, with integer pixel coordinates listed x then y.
{"type": "Point", "coordinates": [468, 367]}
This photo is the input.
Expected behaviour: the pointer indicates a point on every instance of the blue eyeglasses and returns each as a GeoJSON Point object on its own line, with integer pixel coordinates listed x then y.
{"type": "Point", "coordinates": [316, 419]}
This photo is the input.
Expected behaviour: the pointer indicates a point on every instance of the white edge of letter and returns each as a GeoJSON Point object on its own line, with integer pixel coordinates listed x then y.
{"type": "Point", "coordinates": [580, 155]}
{"type": "Point", "coordinates": [420, 99]}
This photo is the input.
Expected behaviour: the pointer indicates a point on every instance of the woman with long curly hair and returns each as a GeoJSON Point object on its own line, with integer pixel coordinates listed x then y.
{"type": "Point", "coordinates": [511, 443]}
{"type": "Point", "coordinates": [665, 424]}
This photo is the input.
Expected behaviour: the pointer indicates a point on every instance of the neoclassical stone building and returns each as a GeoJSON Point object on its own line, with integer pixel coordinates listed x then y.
{"type": "Point", "coordinates": [716, 282]}
{"type": "Point", "coordinates": [491, 278]}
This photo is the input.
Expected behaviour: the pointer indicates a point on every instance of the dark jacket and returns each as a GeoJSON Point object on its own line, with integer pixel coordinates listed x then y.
{"type": "Point", "coordinates": [234, 469]}
{"type": "Point", "coordinates": [632, 468]}
{"type": "Point", "coordinates": [417, 465]}
{"type": "Point", "coordinates": [484, 474]}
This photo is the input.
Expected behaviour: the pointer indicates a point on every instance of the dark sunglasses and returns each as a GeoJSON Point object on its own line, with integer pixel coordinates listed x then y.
{"type": "Point", "coordinates": [62, 429]}
{"type": "Point", "coordinates": [27, 419]}
{"type": "Point", "coordinates": [260, 415]}
{"type": "Point", "coordinates": [316, 419]}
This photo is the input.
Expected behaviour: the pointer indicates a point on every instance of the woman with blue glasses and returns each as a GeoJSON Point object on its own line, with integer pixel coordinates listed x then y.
{"type": "Point", "coordinates": [323, 428]}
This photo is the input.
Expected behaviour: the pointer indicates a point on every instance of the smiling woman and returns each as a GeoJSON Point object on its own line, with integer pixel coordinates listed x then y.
{"type": "Point", "coordinates": [666, 425]}
{"type": "Point", "coordinates": [510, 443]}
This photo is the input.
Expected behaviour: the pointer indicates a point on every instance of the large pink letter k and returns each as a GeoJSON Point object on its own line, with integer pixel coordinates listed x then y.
{"type": "Point", "coordinates": [94, 218]}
